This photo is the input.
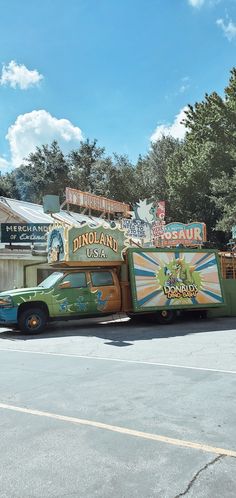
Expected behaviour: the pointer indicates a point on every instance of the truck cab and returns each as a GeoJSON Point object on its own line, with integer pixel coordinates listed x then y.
{"type": "Point", "coordinates": [66, 294]}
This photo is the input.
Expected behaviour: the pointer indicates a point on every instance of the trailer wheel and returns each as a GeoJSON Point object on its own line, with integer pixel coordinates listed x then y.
{"type": "Point", "coordinates": [32, 320]}
{"type": "Point", "coordinates": [166, 316]}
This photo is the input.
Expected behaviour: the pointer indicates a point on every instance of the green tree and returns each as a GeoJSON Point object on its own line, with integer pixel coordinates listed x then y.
{"type": "Point", "coordinates": [122, 180]}
{"type": "Point", "coordinates": [92, 171]}
{"type": "Point", "coordinates": [153, 172]}
{"type": "Point", "coordinates": [88, 167]}
{"type": "Point", "coordinates": [224, 186]}
{"type": "Point", "coordinates": [8, 185]}
{"type": "Point", "coordinates": [208, 160]}
{"type": "Point", "coordinates": [46, 172]}
{"type": "Point", "coordinates": [224, 197]}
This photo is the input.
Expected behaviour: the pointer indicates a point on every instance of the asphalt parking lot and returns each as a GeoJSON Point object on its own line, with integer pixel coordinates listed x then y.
{"type": "Point", "coordinates": [117, 409]}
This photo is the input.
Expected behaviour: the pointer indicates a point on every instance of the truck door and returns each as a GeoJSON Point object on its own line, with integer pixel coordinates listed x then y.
{"type": "Point", "coordinates": [105, 291]}
{"type": "Point", "coordinates": [72, 295]}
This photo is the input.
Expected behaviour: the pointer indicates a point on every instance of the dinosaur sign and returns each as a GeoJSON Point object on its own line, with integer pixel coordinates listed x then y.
{"type": "Point", "coordinates": [192, 234]}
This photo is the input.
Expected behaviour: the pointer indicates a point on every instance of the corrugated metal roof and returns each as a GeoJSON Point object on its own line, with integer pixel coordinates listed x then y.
{"type": "Point", "coordinates": [33, 213]}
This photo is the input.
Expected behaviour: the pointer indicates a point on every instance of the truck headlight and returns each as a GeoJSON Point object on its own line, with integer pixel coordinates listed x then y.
{"type": "Point", "coordinates": [6, 302]}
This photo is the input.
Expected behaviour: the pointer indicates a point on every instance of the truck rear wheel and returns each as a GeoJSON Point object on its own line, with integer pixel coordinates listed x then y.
{"type": "Point", "coordinates": [166, 316]}
{"type": "Point", "coordinates": [32, 320]}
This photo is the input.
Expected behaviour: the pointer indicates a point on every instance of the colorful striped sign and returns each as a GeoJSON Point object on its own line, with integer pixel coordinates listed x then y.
{"type": "Point", "coordinates": [175, 278]}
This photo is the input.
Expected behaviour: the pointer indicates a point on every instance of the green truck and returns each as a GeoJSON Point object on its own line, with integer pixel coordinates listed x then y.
{"type": "Point", "coordinates": [97, 274]}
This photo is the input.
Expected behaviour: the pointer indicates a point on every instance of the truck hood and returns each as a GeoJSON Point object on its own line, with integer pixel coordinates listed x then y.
{"type": "Point", "coordinates": [16, 292]}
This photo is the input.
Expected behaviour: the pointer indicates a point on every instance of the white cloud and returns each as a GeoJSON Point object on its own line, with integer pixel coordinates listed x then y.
{"type": "Point", "coordinates": [183, 88]}
{"type": "Point", "coordinates": [184, 85]}
{"type": "Point", "coordinates": [228, 27]}
{"type": "Point", "coordinates": [196, 3]}
{"type": "Point", "coordinates": [200, 3]}
{"type": "Point", "coordinates": [176, 130]}
{"type": "Point", "coordinates": [3, 163]}
{"type": "Point", "coordinates": [36, 128]}
{"type": "Point", "coordinates": [17, 75]}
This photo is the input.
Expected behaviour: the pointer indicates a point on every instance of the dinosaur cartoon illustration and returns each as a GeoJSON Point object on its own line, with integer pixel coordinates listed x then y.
{"type": "Point", "coordinates": [101, 303]}
{"type": "Point", "coordinates": [177, 273]}
{"type": "Point", "coordinates": [64, 305]}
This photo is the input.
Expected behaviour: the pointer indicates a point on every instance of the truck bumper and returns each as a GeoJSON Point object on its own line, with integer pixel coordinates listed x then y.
{"type": "Point", "coordinates": [8, 316]}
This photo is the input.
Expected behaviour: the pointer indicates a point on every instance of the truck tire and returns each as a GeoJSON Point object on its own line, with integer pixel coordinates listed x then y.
{"type": "Point", "coordinates": [166, 316]}
{"type": "Point", "coordinates": [32, 320]}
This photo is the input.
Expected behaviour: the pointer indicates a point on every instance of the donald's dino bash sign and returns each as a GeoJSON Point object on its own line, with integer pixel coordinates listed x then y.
{"type": "Point", "coordinates": [175, 278]}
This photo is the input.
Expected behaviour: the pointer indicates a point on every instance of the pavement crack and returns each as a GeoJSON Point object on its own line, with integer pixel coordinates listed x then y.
{"type": "Point", "coordinates": [190, 484]}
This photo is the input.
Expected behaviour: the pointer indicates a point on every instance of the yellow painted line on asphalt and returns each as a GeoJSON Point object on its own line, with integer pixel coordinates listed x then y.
{"type": "Point", "coordinates": [121, 360]}
{"type": "Point", "coordinates": [122, 430]}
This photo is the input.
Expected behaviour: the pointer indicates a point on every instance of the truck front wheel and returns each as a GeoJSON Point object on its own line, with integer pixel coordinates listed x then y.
{"type": "Point", "coordinates": [32, 320]}
{"type": "Point", "coordinates": [166, 316]}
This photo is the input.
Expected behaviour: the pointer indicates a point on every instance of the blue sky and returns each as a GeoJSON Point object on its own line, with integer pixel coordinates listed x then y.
{"type": "Point", "coordinates": [119, 71]}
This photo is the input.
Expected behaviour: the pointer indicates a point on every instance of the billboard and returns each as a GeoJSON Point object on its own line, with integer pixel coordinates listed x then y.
{"type": "Point", "coordinates": [191, 234]}
{"type": "Point", "coordinates": [86, 244]}
{"type": "Point", "coordinates": [174, 278]}
{"type": "Point", "coordinates": [96, 202]}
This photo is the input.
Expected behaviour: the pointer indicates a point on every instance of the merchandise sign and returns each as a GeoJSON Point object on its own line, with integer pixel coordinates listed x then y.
{"type": "Point", "coordinates": [166, 278]}
{"type": "Point", "coordinates": [24, 232]}
{"type": "Point", "coordinates": [96, 202]}
{"type": "Point", "coordinates": [193, 234]}
{"type": "Point", "coordinates": [86, 244]}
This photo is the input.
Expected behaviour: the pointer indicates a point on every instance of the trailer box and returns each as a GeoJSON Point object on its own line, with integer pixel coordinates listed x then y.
{"type": "Point", "coordinates": [163, 279]}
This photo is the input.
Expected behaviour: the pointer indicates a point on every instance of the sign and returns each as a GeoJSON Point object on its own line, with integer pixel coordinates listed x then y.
{"type": "Point", "coordinates": [159, 222]}
{"type": "Point", "coordinates": [96, 202]}
{"type": "Point", "coordinates": [135, 228]}
{"type": "Point", "coordinates": [86, 244]}
{"type": "Point", "coordinates": [144, 211]}
{"type": "Point", "coordinates": [175, 278]}
{"type": "Point", "coordinates": [148, 215]}
{"type": "Point", "coordinates": [193, 234]}
{"type": "Point", "coordinates": [161, 210]}
{"type": "Point", "coordinates": [24, 232]}
{"type": "Point", "coordinates": [234, 232]}
{"type": "Point", "coordinates": [51, 204]}
{"type": "Point", "coordinates": [56, 241]}
{"type": "Point", "coordinates": [157, 230]}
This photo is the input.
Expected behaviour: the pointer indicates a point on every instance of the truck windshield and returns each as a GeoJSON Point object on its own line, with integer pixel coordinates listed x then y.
{"type": "Point", "coordinates": [51, 280]}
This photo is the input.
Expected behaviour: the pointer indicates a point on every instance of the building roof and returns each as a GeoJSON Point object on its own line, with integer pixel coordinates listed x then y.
{"type": "Point", "coordinates": [33, 213]}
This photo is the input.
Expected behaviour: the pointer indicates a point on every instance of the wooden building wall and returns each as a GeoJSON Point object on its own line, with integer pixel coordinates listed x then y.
{"type": "Point", "coordinates": [17, 271]}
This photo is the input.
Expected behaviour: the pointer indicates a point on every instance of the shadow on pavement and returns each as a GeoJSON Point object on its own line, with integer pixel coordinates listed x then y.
{"type": "Point", "coordinates": [122, 331]}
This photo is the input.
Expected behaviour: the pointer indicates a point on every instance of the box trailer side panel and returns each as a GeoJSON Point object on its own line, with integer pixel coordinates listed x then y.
{"type": "Point", "coordinates": [175, 279]}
